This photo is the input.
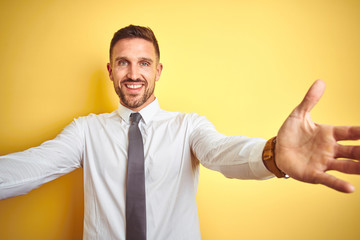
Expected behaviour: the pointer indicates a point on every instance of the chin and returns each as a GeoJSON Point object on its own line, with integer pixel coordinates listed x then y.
{"type": "Point", "coordinates": [133, 103]}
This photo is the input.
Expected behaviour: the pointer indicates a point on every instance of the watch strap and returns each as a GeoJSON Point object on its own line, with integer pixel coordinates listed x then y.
{"type": "Point", "coordinates": [268, 157]}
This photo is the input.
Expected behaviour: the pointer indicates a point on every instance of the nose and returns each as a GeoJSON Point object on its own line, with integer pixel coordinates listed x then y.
{"type": "Point", "coordinates": [133, 72]}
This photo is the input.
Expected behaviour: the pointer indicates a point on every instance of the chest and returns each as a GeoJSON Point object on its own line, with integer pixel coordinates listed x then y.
{"type": "Point", "coordinates": [166, 151]}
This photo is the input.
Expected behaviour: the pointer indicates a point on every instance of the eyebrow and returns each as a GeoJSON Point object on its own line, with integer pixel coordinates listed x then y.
{"type": "Point", "coordinates": [141, 59]}
{"type": "Point", "coordinates": [146, 59]}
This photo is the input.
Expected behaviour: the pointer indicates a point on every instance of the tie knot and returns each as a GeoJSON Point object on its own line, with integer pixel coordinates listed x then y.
{"type": "Point", "coordinates": [135, 118]}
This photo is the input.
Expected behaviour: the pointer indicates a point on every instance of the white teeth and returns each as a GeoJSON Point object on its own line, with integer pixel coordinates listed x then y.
{"type": "Point", "coordinates": [133, 86]}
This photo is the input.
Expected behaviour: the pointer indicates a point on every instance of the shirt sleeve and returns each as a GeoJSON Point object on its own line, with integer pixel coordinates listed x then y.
{"type": "Point", "coordinates": [235, 157]}
{"type": "Point", "coordinates": [24, 171]}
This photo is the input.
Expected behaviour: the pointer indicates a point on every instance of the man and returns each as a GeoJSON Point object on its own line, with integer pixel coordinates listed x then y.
{"type": "Point", "coordinates": [154, 197]}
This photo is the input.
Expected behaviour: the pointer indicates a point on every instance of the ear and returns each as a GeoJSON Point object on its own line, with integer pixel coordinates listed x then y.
{"type": "Point", "coordinates": [159, 69]}
{"type": "Point", "coordinates": [110, 71]}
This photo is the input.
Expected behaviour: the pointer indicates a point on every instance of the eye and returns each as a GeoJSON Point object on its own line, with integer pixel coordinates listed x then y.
{"type": "Point", "coordinates": [122, 63]}
{"type": "Point", "coordinates": [145, 64]}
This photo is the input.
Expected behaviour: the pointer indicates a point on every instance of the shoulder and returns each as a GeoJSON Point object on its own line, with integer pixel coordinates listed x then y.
{"type": "Point", "coordinates": [191, 119]}
{"type": "Point", "coordinates": [96, 119]}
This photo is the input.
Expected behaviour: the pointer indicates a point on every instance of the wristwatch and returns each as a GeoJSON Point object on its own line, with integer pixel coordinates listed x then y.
{"type": "Point", "coordinates": [268, 157]}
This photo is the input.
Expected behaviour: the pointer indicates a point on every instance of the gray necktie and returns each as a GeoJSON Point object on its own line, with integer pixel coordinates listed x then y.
{"type": "Point", "coordinates": [135, 184]}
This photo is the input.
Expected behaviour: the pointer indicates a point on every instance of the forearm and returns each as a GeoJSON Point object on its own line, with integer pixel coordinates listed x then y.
{"type": "Point", "coordinates": [23, 171]}
{"type": "Point", "coordinates": [235, 157]}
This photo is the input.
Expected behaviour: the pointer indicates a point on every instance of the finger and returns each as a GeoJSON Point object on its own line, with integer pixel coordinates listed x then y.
{"type": "Point", "coordinates": [312, 97]}
{"type": "Point", "coordinates": [347, 133]}
{"type": "Point", "coordinates": [335, 183]}
{"type": "Point", "coordinates": [347, 151]}
{"type": "Point", "coordinates": [345, 166]}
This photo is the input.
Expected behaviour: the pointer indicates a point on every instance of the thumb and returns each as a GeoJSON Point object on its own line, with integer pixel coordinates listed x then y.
{"type": "Point", "coordinates": [312, 97]}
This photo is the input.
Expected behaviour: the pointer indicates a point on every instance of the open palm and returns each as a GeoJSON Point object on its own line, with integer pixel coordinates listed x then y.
{"type": "Point", "coordinates": [306, 150]}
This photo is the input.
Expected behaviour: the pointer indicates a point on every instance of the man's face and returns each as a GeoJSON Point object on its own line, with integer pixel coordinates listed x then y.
{"type": "Point", "coordinates": [134, 69]}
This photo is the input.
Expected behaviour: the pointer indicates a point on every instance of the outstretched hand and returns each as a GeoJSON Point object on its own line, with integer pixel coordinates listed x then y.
{"type": "Point", "coordinates": [306, 150]}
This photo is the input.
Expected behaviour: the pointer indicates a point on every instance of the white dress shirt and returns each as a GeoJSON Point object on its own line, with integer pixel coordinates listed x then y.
{"type": "Point", "coordinates": [174, 144]}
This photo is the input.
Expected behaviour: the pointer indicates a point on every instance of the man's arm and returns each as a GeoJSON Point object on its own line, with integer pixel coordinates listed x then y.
{"type": "Point", "coordinates": [24, 171]}
{"type": "Point", "coordinates": [235, 156]}
{"type": "Point", "coordinates": [306, 150]}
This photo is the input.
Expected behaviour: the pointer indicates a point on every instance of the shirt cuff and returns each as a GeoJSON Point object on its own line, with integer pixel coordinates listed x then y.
{"type": "Point", "coordinates": [256, 163]}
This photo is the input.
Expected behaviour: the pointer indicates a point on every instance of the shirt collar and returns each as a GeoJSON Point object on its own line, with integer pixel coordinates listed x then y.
{"type": "Point", "coordinates": [147, 113]}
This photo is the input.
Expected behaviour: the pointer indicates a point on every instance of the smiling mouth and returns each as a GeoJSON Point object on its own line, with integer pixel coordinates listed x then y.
{"type": "Point", "coordinates": [133, 86]}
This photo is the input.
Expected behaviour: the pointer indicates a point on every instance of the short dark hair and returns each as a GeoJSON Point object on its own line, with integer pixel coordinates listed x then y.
{"type": "Point", "coordinates": [133, 31]}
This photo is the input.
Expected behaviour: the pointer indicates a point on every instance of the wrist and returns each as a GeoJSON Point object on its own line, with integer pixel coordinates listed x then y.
{"type": "Point", "coordinates": [268, 158]}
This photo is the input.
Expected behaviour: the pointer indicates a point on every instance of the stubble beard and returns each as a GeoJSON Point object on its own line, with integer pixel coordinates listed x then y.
{"type": "Point", "coordinates": [134, 101]}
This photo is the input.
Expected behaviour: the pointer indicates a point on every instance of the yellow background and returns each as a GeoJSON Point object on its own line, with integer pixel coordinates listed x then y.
{"type": "Point", "coordinates": [243, 64]}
